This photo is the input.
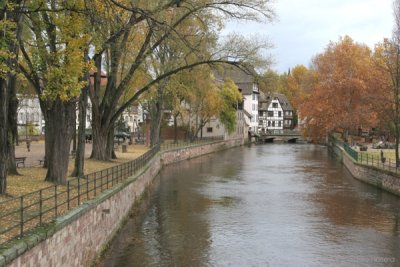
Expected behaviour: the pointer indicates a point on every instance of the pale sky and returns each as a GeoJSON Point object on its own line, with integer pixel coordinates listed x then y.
{"type": "Point", "coordinates": [304, 28]}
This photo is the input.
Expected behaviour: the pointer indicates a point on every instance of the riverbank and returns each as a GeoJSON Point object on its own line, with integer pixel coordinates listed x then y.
{"type": "Point", "coordinates": [265, 205]}
{"type": "Point", "coordinates": [386, 179]}
{"type": "Point", "coordinates": [76, 238]}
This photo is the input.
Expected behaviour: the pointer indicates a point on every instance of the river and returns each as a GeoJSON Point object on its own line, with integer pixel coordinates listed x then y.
{"type": "Point", "coordinates": [267, 205]}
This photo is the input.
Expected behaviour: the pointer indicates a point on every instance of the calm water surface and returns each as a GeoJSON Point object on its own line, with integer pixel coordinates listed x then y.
{"type": "Point", "coordinates": [269, 205]}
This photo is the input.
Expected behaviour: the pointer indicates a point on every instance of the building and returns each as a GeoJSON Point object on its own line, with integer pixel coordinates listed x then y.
{"type": "Point", "coordinates": [133, 117]}
{"type": "Point", "coordinates": [247, 111]}
{"type": "Point", "coordinates": [247, 85]}
{"type": "Point", "coordinates": [30, 117]}
{"type": "Point", "coordinates": [275, 113]}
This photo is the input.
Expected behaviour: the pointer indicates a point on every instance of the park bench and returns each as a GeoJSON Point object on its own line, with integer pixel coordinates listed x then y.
{"type": "Point", "coordinates": [139, 141]}
{"type": "Point", "coordinates": [20, 160]}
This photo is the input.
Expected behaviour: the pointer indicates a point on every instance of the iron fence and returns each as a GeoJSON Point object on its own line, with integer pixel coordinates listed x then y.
{"type": "Point", "coordinates": [365, 158]}
{"type": "Point", "coordinates": [21, 214]}
{"type": "Point", "coordinates": [188, 143]}
{"type": "Point", "coordinates": [352, 153]}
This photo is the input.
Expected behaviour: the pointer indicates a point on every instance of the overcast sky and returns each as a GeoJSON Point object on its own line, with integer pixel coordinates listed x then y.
{"type": "Point", "coordinates": [303, 28]}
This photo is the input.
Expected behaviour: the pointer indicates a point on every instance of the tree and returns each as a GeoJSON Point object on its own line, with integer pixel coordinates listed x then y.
{"type": "Point", "coordinates": [269, 81]}
{"type": "Point", "coordinates": [11, 29]}
{"type": "Point", "coordinates": [145, 25]}
{"type": "Point", "coordinates": [53, 62]}
{"type": "Point", "coordinates": [230, 97]}
{"type": "Point", "coordinates": [340, 98]}
{"type": "Point", "coordinates": [300, 82]}
{"type": "Point", "coordinates": [387, 60]}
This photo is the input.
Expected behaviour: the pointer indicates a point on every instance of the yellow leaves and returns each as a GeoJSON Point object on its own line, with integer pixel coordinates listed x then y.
{"type": "Point", "coordinates": [63, 83]}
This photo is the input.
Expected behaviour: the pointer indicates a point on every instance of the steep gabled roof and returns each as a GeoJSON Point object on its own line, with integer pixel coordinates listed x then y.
{"type": "Point", "coordinates": [244, 80]}
{"type": "Point", "coordinates": [266, 99]}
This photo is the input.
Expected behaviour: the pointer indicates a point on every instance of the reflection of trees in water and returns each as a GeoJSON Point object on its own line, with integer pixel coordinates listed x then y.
{"type": "Point", "coordinates": [347, 201]}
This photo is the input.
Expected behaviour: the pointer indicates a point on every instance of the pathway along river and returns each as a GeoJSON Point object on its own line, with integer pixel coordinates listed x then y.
{"type": "Point", "coordinates": [269, 205]}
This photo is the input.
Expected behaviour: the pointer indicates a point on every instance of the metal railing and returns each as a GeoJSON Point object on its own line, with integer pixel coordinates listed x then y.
{"type": "Point", "coordinates": [352, 153]}
{"type": "Point", "coordinates": [285, 132]}
{"type": "Point", "coordinates": [21, 214]}
{"type": "Point", "coordinates": [367, 159]}
{"type": "Point", "coordinates": [188, 143]}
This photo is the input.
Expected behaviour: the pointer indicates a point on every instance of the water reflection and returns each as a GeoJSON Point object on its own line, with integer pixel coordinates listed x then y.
{"type": "Point", "coordinates": [272, 205]}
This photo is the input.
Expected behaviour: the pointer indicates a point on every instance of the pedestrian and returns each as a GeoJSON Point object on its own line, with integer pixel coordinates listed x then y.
{"type": "Point", "coordinates": [28, 144]}
{"type": "Point", "coordinates": [383, 159]}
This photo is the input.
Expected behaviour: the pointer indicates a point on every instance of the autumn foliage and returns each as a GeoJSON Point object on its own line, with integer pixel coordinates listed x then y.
{"type": "Point", "coordinates": [345, 90]}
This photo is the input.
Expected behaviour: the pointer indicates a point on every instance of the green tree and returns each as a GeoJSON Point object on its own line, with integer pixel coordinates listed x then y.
{"type": "Point", "coordinates": [148, 26]}
{"type": "Point", "coordinates": [53, 62]}
{"type": "Point", "coordinates": [9, 33]}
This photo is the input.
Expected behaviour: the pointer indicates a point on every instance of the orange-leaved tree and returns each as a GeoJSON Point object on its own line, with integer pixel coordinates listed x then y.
{"type": "Point", "coordinates": [341, 97]}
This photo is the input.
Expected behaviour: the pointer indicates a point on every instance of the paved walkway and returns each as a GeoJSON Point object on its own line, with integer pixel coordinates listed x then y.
{"type": "Point", "coordinates": [37, 152]}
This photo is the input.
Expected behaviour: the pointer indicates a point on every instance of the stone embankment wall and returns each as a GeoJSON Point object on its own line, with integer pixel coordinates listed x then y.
{"type": "Point", "coordinates": [77, 238]}
{"type": "Point", "coordinates": [372, 175]}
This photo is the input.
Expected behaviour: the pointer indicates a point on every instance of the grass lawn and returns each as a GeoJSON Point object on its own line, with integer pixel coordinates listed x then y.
{"type": "Point", "coordinates": [376, 153]}
{"type": "Point", "coordinates": [32, 178]}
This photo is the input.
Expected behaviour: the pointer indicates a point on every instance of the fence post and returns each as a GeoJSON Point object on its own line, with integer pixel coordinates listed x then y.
{"type": "Point", "coordinates": [94, 183]}
{"type": "Point", "coordinates": [22, 215]}
{"type": "Point", "coordinates": [68, 199]}
{"type": "Point", "coordinates": [40, 206]}
{"type": "Point", "coordinates": [55, 201]}
{"type": "Point", "coordinates": [79, 191]}
{"type": "Point", "coordinates": [87, 187]}
{"type": "Point", "coordinates": [112, 175]}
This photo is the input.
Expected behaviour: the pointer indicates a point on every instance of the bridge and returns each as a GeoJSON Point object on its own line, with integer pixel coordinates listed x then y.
{"type": "Point", "coordinates": [281, 136]}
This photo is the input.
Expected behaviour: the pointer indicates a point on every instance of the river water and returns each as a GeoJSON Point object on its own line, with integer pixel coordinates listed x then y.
{"type": "Point", "coordinates": [267, 205]}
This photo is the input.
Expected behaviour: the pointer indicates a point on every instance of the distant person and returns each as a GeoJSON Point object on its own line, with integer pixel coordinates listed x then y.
{"type": "Point", "coordinates": [383, 159]}
{"type": "Point", "coordinates": [28, 144]}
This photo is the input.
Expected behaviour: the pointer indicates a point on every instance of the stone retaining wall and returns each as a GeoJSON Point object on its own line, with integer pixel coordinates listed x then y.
{"type": "Point", "coordinates": [176, 155]}
{"type": "Point", "coordinates": [77, 238]}
{"type": "Point", "coordinates": [369, 174]}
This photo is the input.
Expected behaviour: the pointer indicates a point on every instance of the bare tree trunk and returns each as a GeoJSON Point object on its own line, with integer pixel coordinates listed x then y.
{"type": "Point", "coordinates": [80, 151]}
{"type": "Point", "coordinates": [100, 140]}
{"type": "Point", "coordinates": [12, 125]}
{"type": "Point", "coordinates": [3, 135]}
{"type": "Point", "coordinates": [110, 144]}
{"type": "Point", "coordinates": [59, 130]}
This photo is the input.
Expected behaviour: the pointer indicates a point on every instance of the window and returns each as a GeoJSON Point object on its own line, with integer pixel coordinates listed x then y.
{"type": "Point", "coordinates": [273, 123]}
{"type": "Point", "coordinates": [274, 105]}
{"type": "Point", "coordinates": [279, 124]}
{"type": "Point", "coordinates": [269, 123]}
{"type": "Point", "coordinates": [279, 113]}
{"type": "Point", "coordinates": [270, 113]}
{"type": "Point", "coordinates": [209, 129]}
{"type": "Point", "coordinates": [254, 96]}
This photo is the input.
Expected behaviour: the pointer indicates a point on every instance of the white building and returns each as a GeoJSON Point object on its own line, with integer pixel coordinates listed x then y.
{"type": "Point", "coordinates": [247, 84]}
{"type": "Point", "coordinates": [133, 117]}
{"type": "Point", "coordinates": [30, 117]}
{"type": "Point", "coordinates": [275, 113]}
